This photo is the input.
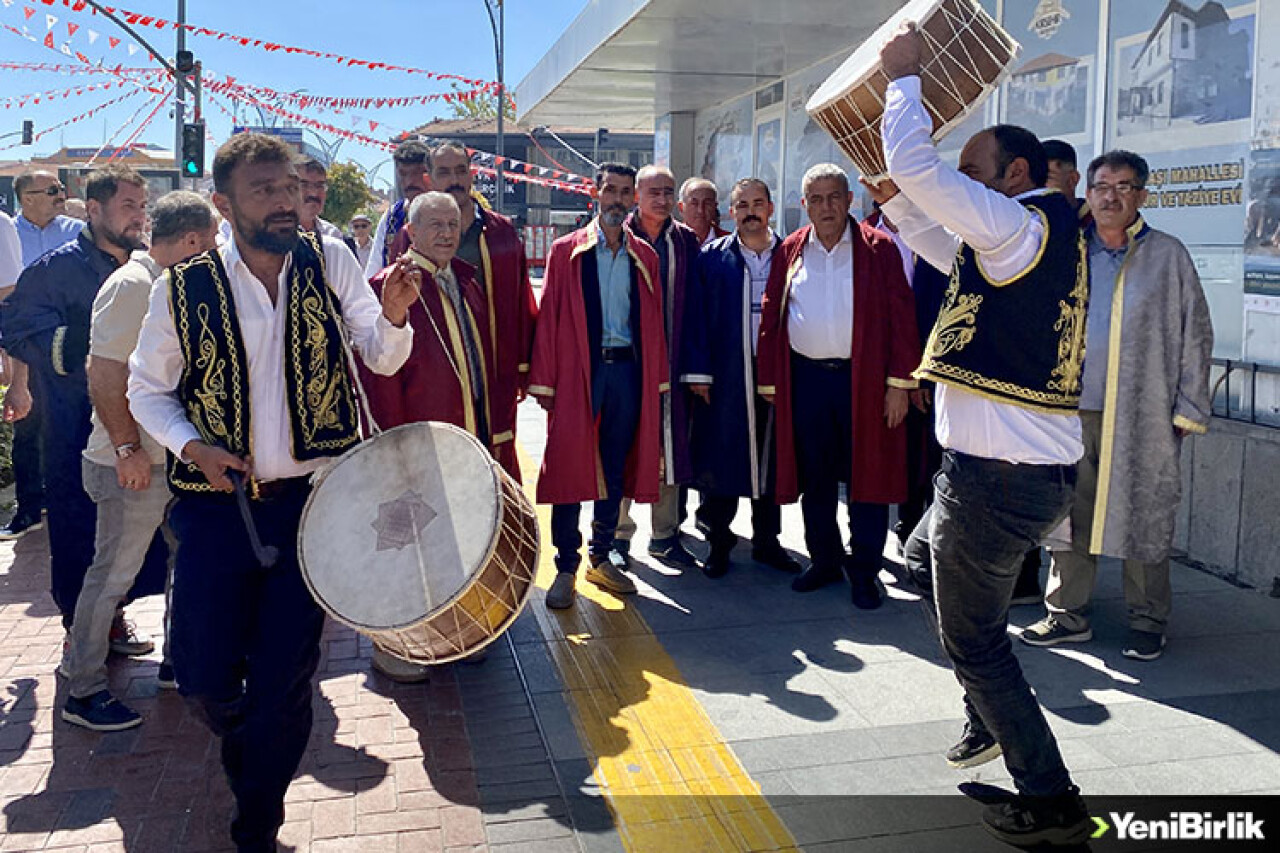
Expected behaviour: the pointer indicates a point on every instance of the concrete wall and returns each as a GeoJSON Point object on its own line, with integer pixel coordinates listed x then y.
{"type": "Point", "coordinates": [1229, 520]}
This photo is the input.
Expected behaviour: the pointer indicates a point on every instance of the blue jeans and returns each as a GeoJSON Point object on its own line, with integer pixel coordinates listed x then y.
{"type": "Point", "coordinates": [615, 399]}
{"type": "Point", "coordinates": [985, 516]}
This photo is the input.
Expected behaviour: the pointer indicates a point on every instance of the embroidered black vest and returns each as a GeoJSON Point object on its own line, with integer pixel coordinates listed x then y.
{"type": "Point", "coordinates": [1019, 341]}
{"type": "Point", "coordinates": [214, 386]}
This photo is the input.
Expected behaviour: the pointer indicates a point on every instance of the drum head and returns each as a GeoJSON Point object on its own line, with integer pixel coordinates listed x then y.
{"type": "Point", "coordinates": [396, 528]}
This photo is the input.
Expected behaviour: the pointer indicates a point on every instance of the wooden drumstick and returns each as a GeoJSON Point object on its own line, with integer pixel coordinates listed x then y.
{"type": "Point", "coordinates": [267, 555]}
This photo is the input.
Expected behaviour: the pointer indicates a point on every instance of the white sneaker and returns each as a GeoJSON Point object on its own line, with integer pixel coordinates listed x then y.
{"type": "Point", "coordinates": [399, 671]}
{"type": "Point", "coordinates": [608, 574]}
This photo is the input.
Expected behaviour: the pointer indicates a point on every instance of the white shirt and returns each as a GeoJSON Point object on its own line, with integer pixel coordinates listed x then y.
{"type": "Point", "coordinates": [156, 366]}
{"type": "Point", "coordinates": [820, 307]}
{"type": "Point", "coordinates": [10, 251]}
{"type": "Point", "coordinates": [937, 210]}
{"type": "Point", "coordinates": [758, 266]}
{"type": "Point", "coordinates": [373, 265]}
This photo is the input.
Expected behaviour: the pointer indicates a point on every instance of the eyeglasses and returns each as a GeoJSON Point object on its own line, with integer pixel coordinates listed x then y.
{"type": "Point", "coordinates": [1121, 190]}
{"type": "Point", "coordinates": [313, 185]}
{"type": "Point", "coordinates": [360, 226]}
{"type": "Point", "coordinates": [51, 191]}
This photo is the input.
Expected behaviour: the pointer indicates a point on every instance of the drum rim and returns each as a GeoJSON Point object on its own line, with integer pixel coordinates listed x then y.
{"type": "Point", "coordinates": [495, 471]}
{"type": "Point", "coordinates": [827, 94]}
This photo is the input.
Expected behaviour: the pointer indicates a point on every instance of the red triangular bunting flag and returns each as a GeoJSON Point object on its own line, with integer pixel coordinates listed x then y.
{"type": "Point", "coordinates": [48, 40]}
{"type": "Point", "coordinates": [115, 42]}
{"type": "Point", "coordinates": [28, 11]}
{"type": "Point", "coordinates": [71, 28]}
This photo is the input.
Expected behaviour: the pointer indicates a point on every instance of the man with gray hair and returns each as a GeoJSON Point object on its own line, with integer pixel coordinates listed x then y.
{"type": "Point", "coordinates": [445, 377]}
{"type": "Point", "coordinates": [123, 466]}
{"type": "Point", "coordinates": [838, 343]}
{"type": "Point", "coordinates": [699, 209]}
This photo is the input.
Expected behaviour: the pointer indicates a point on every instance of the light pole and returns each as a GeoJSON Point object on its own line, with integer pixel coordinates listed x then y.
{"type": "Point", "coordinates": [497, 21]}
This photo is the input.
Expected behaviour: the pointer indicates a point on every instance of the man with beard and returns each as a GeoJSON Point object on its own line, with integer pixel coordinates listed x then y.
{"type": "Point", "coordinates": [1006, 357]}
{"type": "Point", "coordinates": [599, 369]}
{"type": "Point", "coordinates": [246, 638]}
{"type": "Point", "coordinates": [732, 440]}
{"type": "Point", "coordinates": [491, 246]}
{"type": "Point", "coordinates": [42, 226]}
{"type": "Point", "coordinates": [122, 464]}
{"type": "Point", "coordinates": [45, 324]}
{"type": "Point", "coordinates": [313, 180]}
{"type": "Point", "coordinates": [410, 158]}
{"type": "Point", "coordinates": [677, 247]}
{"type": "Point", "coordinates": [700, 209]}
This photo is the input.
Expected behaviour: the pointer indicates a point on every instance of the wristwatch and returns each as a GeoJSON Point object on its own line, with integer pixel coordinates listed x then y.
{"type": "Point", "coordinates": [124, 451]}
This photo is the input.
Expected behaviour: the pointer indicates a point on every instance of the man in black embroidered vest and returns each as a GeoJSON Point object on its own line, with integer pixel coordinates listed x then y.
{"type": "Point", "coordinates": [1006, 356]}
{"type": "Point", "coordinates": [216, 382]}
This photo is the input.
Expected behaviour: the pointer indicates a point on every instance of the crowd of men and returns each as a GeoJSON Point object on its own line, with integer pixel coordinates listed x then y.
{"type": "Point", "coordinates": [986, 351]}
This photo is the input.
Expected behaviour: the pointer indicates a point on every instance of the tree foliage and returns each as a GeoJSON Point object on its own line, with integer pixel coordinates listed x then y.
{"type": "Point", "coordinates": [483, 107]}
{"type": "Point", "coordinates": [348, 193]}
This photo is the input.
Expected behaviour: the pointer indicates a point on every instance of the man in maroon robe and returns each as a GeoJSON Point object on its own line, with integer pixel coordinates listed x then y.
{"type": "Point", "coordinates": [838, 343]}
{"type": "Point", "coordinates": [445, 378]}
{"type": "Point", "coordinates": [599, 368]}
{"type": "Point", "coordinates": [491, 245]}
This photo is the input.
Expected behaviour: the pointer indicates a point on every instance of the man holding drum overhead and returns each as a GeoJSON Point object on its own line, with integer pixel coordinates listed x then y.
{"type": "Point", "coordinates": [1006, 356]}
{"type": "Point", "coordinates": [240, 371]}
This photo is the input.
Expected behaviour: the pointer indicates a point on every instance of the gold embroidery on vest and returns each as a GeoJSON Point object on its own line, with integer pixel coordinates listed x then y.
{"type": "Point", "coordinates": [958, 319]}
{"type": "Point", "coordinates": [213, 389]}
{"type": "Point", "coordinates": [1070, 328]}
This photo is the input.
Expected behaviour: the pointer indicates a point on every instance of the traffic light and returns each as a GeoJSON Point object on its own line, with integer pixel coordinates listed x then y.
{"type": "Point", "coordinates": [185, 61]}
{"type": "Point", "coordinates": [193, 150]}
{"type": "Point", "coordinates": [602, 137]}
{"type": "Point", "coordinates": [28, 131]}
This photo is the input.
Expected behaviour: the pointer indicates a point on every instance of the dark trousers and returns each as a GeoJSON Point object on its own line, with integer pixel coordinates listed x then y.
{"type": "Point", "coordinates": [28, 472]}
{"type": "Point", "coordinates": [615, 401]}
{"type": "Point", "coordinates": [718, 511]}
{"type": "Point", "coordinates": [924, 456]}
{"type": "Point", "coordinates": [985, 515]}
{"type": "Point", "coordinates": [822, 414]}
{"type": "Point", "coordinates": [246, 641]}
{"type": "Point", "coordinates": [72, 519]}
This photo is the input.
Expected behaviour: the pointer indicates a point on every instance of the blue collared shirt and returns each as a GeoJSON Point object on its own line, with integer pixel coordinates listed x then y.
{"type": "Point", "coordinates": [614, 270]}
{"type": "Point", "coordinates": [37, 242]}
{"type": "Point", "coordinates": [1104, 269]}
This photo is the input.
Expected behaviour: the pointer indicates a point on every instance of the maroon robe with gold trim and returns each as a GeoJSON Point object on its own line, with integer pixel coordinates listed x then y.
{"type": "Point", "coordinates": [561, 369]}
{"type": "Point", "coordinates": [427, 388]}
{"type": "Point", "coordinates": [886, 348]}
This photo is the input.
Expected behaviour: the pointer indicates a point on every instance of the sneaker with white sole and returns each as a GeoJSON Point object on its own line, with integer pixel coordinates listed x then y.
{"type": "Point", "coordinates": [20, 526]}
{"type": "Point", "coordinates": [1050, 632]}
{"type": "Point", "coordinates": [128, 640]}
{"type": "Point", "coordinates": [607, 574]}
{"type": "Point", "coordinates": [1143, 645]}
{"type": "Point", "coordinates": [100, 712]}
{"type": "Point", "coordinates": [976, 747]}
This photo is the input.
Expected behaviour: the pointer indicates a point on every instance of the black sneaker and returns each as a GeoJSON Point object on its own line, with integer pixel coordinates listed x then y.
{"type": "Point", "coordinates": [100, 712]}
{"type": "Point", "coordinates": [20, 526]}
{"type": "Point", "coordinates": [975, 747]}
{"type": "Point", "coordinates": [715, 566]}
{"type": "Point", "coordinates": [1029, 821]}
{"type": "Point", "coordinates": [866, 591]}
{"type": "Point", "coordinates": [671, 552]}
{"type": "Point", "coordinates": [1143, 645]}
{"type": "Point", "coordinates": [165, 679]}
{"type": "Point", "coordinates": [775, 556]}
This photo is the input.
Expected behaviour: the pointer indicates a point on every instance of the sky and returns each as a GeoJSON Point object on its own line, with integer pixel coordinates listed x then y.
{"type": "Point", "coordinates": [445, 36]}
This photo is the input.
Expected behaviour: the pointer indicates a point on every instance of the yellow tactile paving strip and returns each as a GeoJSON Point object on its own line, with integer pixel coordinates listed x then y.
{"type": "Point", "coordinates": [669, 778]}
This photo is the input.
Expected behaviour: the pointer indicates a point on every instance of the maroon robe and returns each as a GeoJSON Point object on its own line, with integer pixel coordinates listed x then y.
{"type": "Point", "coordinates": [886, 349]}
{"type": "Point", "coordinates": [427, 388]}
{"type": "Point", "coordinates": [561, 369]}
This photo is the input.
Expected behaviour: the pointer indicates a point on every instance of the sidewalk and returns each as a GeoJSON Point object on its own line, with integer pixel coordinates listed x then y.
{"type": "Point", "coordinates": [718, 715]}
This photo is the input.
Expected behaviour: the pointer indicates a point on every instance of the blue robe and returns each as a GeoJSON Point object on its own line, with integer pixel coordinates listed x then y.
{"type": "Point", "coordinates": [45, 323]}
{"type": "Point", "coordinates": [729, 456]}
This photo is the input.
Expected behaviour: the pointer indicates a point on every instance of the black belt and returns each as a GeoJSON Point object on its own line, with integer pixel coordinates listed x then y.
{"type": "Point", "coordinates": [609, 355]}
{"type": "Point", "coordinates": [268, 491]}
{"type": "Point", "coordinates": [824, 363]}
{"type": "Point", "coordinates": [1063, 473]}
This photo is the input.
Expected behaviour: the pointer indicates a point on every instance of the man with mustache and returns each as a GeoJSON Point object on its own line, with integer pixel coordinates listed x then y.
{"type": "Point", "coordinates": [599, 369]}
{"type": "Point", "coordinates": [732, 438]}
{"type": "Point", "coordinates": [1146, 387]}
{"type": "Point", "coordinates": [447, 377]}
{"type": "Point", "coordinates": [677, 247]}
{"type": "Point", "coordinates": [410, 160]}
{"type": "Point", "coordinates": [838, 343]}
{"type": "Point", "coordinates": [229, 353]}
{"type": "Point", "coordinates": [45, 324]}
{"type": "Point", "coordinates": [313, 179]}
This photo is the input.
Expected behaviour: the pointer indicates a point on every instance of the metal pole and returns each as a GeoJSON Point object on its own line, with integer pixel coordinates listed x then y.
{"type": "Point", "coordinates": [502, 104]}
{"type": "Point", "coordinates": [180, 88]}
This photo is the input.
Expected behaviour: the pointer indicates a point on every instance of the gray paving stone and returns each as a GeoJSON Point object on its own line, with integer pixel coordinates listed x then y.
{"type": "Point", "coordinates": [558, 727]}
{"type": "Point", "coordinates": [1152, 746]}
{"type": "Point", "coordinates": [811, 750]}
{"type": "Point", "coordinates": [525, 831]}
{"type": "Point", "coordinates": [518, 792]}
{"type": "Point", "coordinates": [516, 773]}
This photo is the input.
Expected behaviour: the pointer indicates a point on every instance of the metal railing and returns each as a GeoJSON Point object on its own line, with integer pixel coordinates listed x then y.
{"type": "Point", "coordinates": [1246, 391]}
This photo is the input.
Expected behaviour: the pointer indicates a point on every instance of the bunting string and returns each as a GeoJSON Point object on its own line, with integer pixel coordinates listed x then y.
{"type": "Point", "coordinates": [81, 117]}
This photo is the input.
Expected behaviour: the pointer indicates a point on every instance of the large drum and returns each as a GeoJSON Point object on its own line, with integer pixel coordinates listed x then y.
{"type": "Point", "coordinates": [419, 540]}
{"type": "Point", "coordinates": [967, 56]}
